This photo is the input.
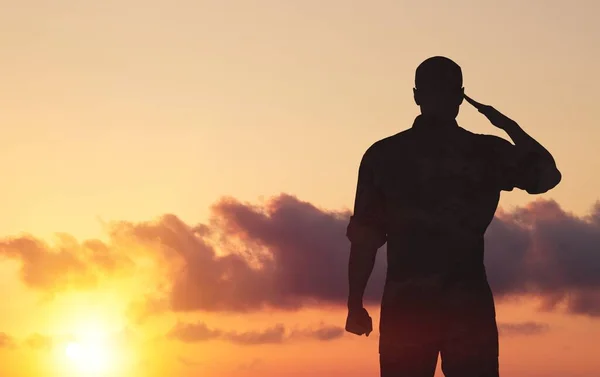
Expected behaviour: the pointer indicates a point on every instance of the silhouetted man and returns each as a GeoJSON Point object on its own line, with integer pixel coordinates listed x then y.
{"type": "Point", "coordinates": [430, 192]}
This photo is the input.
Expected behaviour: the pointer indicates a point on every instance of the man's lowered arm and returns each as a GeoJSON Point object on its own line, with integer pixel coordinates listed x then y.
{"type": "Point", "coordinates": [365, 230]}
{"type": "Point", "coordinates": [360, 267]}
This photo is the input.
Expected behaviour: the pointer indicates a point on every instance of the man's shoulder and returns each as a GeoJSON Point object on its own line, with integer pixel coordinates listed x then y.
{"type": "Point", "coordinates": [383, 147]}
{"type": "Point", "coordinates": [488, 142]}
{"type": "Point", "coordinates": [486, 138]}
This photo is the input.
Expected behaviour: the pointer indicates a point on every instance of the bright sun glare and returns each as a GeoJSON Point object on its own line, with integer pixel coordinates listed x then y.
{"type": "Point", "coordinates": [88, 357]}
{"type": "Point", "coordinates": [90, 354]}
{"type": "Point", "coordinates": [95, 340]}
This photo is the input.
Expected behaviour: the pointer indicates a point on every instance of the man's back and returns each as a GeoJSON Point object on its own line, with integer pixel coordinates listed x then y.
{"type": "Point", "coordinates": [439, 189]}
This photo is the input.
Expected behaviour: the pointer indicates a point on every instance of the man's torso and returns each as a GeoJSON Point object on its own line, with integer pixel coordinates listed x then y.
{"type": "Point", "coordinates": [440, 195]}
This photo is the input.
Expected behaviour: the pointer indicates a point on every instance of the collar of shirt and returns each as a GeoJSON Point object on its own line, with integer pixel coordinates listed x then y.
{"type": "Point", "coordinates": [428, 123]}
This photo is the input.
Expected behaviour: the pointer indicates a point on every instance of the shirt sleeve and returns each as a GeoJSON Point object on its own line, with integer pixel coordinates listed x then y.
{"type": "Point", "coordinates": [367, 224]}
{"type": "Point", "coordinates": [512, 168]}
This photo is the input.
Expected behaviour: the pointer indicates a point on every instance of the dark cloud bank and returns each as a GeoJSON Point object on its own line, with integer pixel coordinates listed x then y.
{"type": "Point", "coordinates": [287, 254]}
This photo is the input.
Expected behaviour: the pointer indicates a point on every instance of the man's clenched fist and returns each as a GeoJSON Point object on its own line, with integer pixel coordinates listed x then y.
{"type": "Point", "coordinates": [359, 322]}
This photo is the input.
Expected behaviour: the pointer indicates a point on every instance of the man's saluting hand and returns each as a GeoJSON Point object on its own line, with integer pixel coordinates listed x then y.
{"type": "Point", "coordinates": [495, 117]}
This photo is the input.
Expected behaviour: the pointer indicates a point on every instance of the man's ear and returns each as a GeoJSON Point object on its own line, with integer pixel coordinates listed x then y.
{"type": "Point", "coordinates": [416, 96]}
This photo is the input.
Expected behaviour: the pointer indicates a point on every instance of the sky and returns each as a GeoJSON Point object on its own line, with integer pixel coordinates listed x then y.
{"type": "Point", "coordinates": [179, 174]}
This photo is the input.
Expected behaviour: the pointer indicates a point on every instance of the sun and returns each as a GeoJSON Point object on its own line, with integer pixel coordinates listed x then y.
{"type": "Point", "coordinates": [91, 352]}
{"type": "Point", "coordinates": [92, 336]}
{"type": "Point", "coordinates": [90, 356]}
{"type": "Point", "coordinates": [73, 350]}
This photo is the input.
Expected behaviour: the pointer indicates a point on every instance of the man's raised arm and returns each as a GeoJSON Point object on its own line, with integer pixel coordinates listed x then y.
{"type": "Point", "coordinates": [529, 165]}
{"type": "Point", "coordinates": [540, 171]}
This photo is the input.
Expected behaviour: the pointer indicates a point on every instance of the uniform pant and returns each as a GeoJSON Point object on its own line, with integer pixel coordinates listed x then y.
{"type": "Point", "coordinates": [458, 322]}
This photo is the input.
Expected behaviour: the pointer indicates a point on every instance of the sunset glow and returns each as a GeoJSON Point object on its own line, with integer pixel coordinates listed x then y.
{"type": "Point", "coordinates": [178, 178]}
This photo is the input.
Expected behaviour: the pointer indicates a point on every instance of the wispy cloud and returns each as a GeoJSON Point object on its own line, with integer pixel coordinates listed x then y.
{"type": "Point", "coordinates": [523, 328]}
{"type": "Point", "coordinates": [39, 342]}
{"type": "Point", "coordinates": [200, 332]}
{"type": "Point", "coordinates": [6, 341]}
{"type": "Point", "coordinates": [66, 264]}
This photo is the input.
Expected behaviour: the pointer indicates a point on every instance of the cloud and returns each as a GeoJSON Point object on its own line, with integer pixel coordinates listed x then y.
{"type": "Point", "coordinates": [67, 264]}
{"type": "Point", "coordinates": [39, 342]}
{"type": "Point", "coordinates": [323, 333]}
{"type": "Point", "coordinates": [191, 333]}
{"type": "Point", "coordinates": [524, 328]}
{"type": "Point", "coordinates": [140, 309]}
{"type": "Point", "coordinates": [275, 334]}
{"type": "Point", "coordinates": [286, 254]}
{"type": "Point", "coordinates": [543, 251]}
{"type": "Point", "coordinates": [251, 365]}
{"type": "Point", "coordinates": [189, 363]}
{"type": "Point", "coordinates": [6, 341]}
{"type": "Point", "coordinates": [200, 332]}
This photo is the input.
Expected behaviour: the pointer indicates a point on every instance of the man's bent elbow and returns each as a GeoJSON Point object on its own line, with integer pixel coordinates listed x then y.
{"type": "Point", "coordinates": [364, 237]}
{"type": "Point", "coordinates": [546, 182]}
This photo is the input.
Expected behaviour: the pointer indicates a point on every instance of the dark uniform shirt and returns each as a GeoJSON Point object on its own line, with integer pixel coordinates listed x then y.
{"type": "Point", "coordinates": [430, 192]}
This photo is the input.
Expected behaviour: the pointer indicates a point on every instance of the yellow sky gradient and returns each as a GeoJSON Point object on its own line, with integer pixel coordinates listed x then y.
{"type": "Point", "coordinates": [126, 110]}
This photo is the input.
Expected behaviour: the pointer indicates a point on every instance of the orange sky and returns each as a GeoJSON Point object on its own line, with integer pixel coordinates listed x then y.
{"type": "Point", "coordinates": [118, 112]}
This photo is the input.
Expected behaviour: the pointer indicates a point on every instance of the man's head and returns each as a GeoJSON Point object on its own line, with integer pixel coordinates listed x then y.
{"type": "Point", "coordinates": [438, 87]}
